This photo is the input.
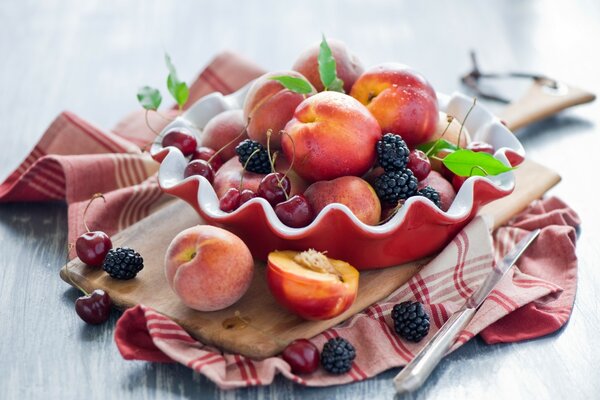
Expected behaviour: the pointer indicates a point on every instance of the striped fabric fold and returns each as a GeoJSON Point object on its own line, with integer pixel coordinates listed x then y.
{"type": "Point", "coordinates": [534, 298]}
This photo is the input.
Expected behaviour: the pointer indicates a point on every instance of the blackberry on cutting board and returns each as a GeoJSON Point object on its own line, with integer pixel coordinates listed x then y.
{"type": "Point", "coordinates": [337, 356]}
{"type": "Point", "coordinates": [431, 194]}
{"type": "Point", "coordinates": [393, 186]}
{"type": "Point", "coordinates": [411, 321]}
{"type": "Point", "coordinates": [392, 152]}
{"type": "Point", "coordinates": [123, 263]}
{"type": "Point", "coordinates": [259, 162]}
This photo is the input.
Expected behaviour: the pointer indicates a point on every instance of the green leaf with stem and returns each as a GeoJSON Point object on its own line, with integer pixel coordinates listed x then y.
{"type": "Point", "coordinates": [295, 84]}
{"type": "Point", "coordinates": [432, 148]}
{"type": "Point", "coordinates": [179, 90]}
{"type": "Point", "coordinates": [149, 98]}
{"type": "Point", "coordinates": [469, 163]}
{"type": "Point", "coordinates": [327, 68]}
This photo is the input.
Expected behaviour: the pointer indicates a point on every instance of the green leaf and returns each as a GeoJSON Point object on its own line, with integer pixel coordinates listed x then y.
{"type": "Point", "coordinates": [468, 163]}
{"type": "Point", "coordinates": [432, 148]}
{"type": "Point", "coordinates": [327, 68]}
{"type": "Point", "coordinates": [149, 97]}
{"type": "Point", "coordinates": [295, 84]}
{"type": "Point", "coordinates": [179, 90]}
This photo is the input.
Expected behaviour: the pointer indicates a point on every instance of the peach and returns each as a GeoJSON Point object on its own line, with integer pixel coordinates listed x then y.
{"type": "Point", "coordinates": [310, 284]}
{"type": "Point", "coordinates": [332, 135]}
{"type": "Point", "coordinates": [269, 105]}
{"type": "Point", "coordinates": [401, 99]}
{"type": "Point", "coordinates": [230, 174]}
{"type": "Point", "coordinates": [452, 133]}
{"type": "Point", "coordinates": [443, 187]}
{"type": "Point", "coordinates": [208, 268]}
{"type": "Point", "coordinates": [226, 127]}
{"type": "Point", "coordinates": [351, 191]}
{"type": "Point", "coordinates": [347, 65]}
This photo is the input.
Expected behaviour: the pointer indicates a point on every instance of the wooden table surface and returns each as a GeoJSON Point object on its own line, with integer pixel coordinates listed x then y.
{"type": "Point", "coordinates": [91, 56]}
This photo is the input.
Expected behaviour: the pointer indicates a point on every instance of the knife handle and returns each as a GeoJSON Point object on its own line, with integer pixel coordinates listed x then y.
{"type": "Point", "coordinates": [418, 370]}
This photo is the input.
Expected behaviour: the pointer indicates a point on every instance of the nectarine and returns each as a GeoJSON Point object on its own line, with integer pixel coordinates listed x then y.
{"type": "Point", "coordinates": [226, 127]}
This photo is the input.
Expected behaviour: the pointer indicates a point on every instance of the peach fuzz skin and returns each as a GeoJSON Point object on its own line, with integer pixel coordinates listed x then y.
{"type": "Point", "coordinates": [348, 67]}
{"type": "Point", "coordinates": [269, 105]}
{"type": "Point", "coordinates": [226, 128]}
{"type": "Point", "coordinates": [208, 268]}
{"type": "Point", "coordinates": [401, 100]}
{"type": "Point", "coordinates": [351, 191]}
{"type": "Point", "coordinates": [331, 135]}
{"type": "Point", "coordinates": [307, 296]}
{"type": "Point", "coordinates": [230, 174]}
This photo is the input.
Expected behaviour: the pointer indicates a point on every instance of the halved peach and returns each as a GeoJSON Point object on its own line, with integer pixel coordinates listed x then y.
{"type": "Point", "coordinates": [310, 284]}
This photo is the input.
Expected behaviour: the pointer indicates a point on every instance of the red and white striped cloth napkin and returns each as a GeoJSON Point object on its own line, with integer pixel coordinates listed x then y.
{"type": "Point", "coordinates": [74, 160]}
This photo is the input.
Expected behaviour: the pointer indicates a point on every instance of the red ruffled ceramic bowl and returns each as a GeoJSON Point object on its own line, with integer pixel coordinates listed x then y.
{"type": "Point", "coordinates": [418, 230]}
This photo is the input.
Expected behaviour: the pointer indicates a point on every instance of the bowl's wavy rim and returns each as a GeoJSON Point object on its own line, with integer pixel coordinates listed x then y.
{"type": "Point", "coordinates": [481, 124]}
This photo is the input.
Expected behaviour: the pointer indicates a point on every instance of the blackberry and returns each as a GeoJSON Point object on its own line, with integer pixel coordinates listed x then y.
{"type": "Point", "coordinates": [431, 194]}
{"type": "Point", "coordinates": [392, 152]}
{"type": "Point", "coordinates": [337, 356]}
{"type": "Point", "coordinates": [123, 263]}
{"type": "Point", "coordinates": [259, 162]}
{"type": "Point", "coordinates": [411, 321]}
{"type": "Point", "coordinates": [394, 186]}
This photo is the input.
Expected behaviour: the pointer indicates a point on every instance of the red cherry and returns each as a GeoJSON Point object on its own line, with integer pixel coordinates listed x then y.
{"type": "Point", "coordinates": [457, 182]}
{"type": "Point", "coordinates": [182, 139]}
{"type": "Point", "coordinates": [273, 187]}
{"type": "Point", "coordinates": [206, 153]}
{"type": "Point", "coordinates": [199, 167]}
{"type": "Point", "coordinates": [230, 201]}
{"type": "Point", "coordinates": [419, 164]}
{"type": "Point", "coordinates": [481, 147]}
{"type": "Point", "coordinates": [295, 212]}
{"type": "Point", "coordinates": [94, 308]}
{"type": "Point", "coordinates": [92, 247]}
{"type": "Point", "coordinates": [247, 195]}
{"type": "Point", "coordinates": [302, 355]}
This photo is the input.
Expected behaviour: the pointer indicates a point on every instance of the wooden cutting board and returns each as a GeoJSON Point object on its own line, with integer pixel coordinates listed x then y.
{"type": "Point", "coordinates": [265, 328]}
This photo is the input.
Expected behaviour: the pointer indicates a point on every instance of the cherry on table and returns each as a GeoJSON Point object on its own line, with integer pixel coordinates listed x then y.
{"type": "Point", "coordinates": [295, 212]}
{"type": "Point", "coordinates": [419, 164]}
{"type": "Point", "coordinates": [275, 188]}
{"type": "Point", "coordinates": [182, 139]}
{"type": "Point", "coordinates": [302, 355]}
{"type": "Point", "coordinates": [210, 155]}
{"type": "Point", "coordinates": [94, 308]}
{"type": "Point", "coordinates": [199, 167]}
{"type": "Point", "coordinates": [92, 246]}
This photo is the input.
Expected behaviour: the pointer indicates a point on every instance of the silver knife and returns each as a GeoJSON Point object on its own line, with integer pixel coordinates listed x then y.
{"type": "Point", "coordinates": [418, 370]}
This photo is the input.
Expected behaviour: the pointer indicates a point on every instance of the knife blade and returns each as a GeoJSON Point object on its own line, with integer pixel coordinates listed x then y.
{"type": "Point", "coordinates": [422, 365]}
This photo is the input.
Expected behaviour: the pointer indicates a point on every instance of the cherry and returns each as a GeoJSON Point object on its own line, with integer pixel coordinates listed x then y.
{"type": "Point", "coordinates": [457, 181]}
{"type": "Point", "coordinates": [230, 201]}
{"type": "Point", "coordinates": [92, 247]}
{"type": "Point", "coordinates": [419, 164]}
{"type": "Point", "coordinates": [481, 147]}
{"type": "Point", "coordinates": [182, 139]}
{"type": "Point", "coordinates": [295, 212]}
{"type": "Point", "coordinates": [302, 355]}
{"type": "Point", "coordinates": [94, 308]}
{"type": "Point", "coordinates": [275, 188]}
{"type": "Point", "coordinates": [247, 195]}
{"type": "Point", "coordinates": [199, 167]}
{"type": "Point", "coordinates": [210, 155]}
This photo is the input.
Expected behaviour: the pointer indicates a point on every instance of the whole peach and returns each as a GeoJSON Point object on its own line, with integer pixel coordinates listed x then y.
{"type": "Point", "coordinates": [402, 101]}
{"type": "Point", "coordinates": [347, 65]}
{"type": "Point", "coordinates": [353, 192]}
{"type": "Point", "coordinates": [230, 174]}
{"type": "Point", "coordinates": [443, 187]}
{"type": "Point", "coordinates": [331, 135]}
{"type": "Point", "coordinates": [226, 127]}
{"type": "Point", "coordinates": [208, 268]}
{"type": "Point", "coordinates": [269, 105]}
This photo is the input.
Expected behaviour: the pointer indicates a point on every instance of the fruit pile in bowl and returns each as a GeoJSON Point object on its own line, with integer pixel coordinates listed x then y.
{"type": "Point", "coordinates": [372, 166]}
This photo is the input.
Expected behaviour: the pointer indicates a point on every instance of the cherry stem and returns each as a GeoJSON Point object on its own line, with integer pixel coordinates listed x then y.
{"type": "Point", "coordinates": [94, 197]}
{"type": "Point", "coordinates": [230, 142]}
{"type": "Point", "coordinates": [68, 273]}
{"type": "Point", "coordinates": [156, 133]}
{"type": "Point", "coordinates": [479, 168]}
{"type": "Point", "coordinates": [244, 168]}
{"type": "Point", "coordinates": [465, 120]}
{"type": "Point", "coordinates": [449, 119]}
